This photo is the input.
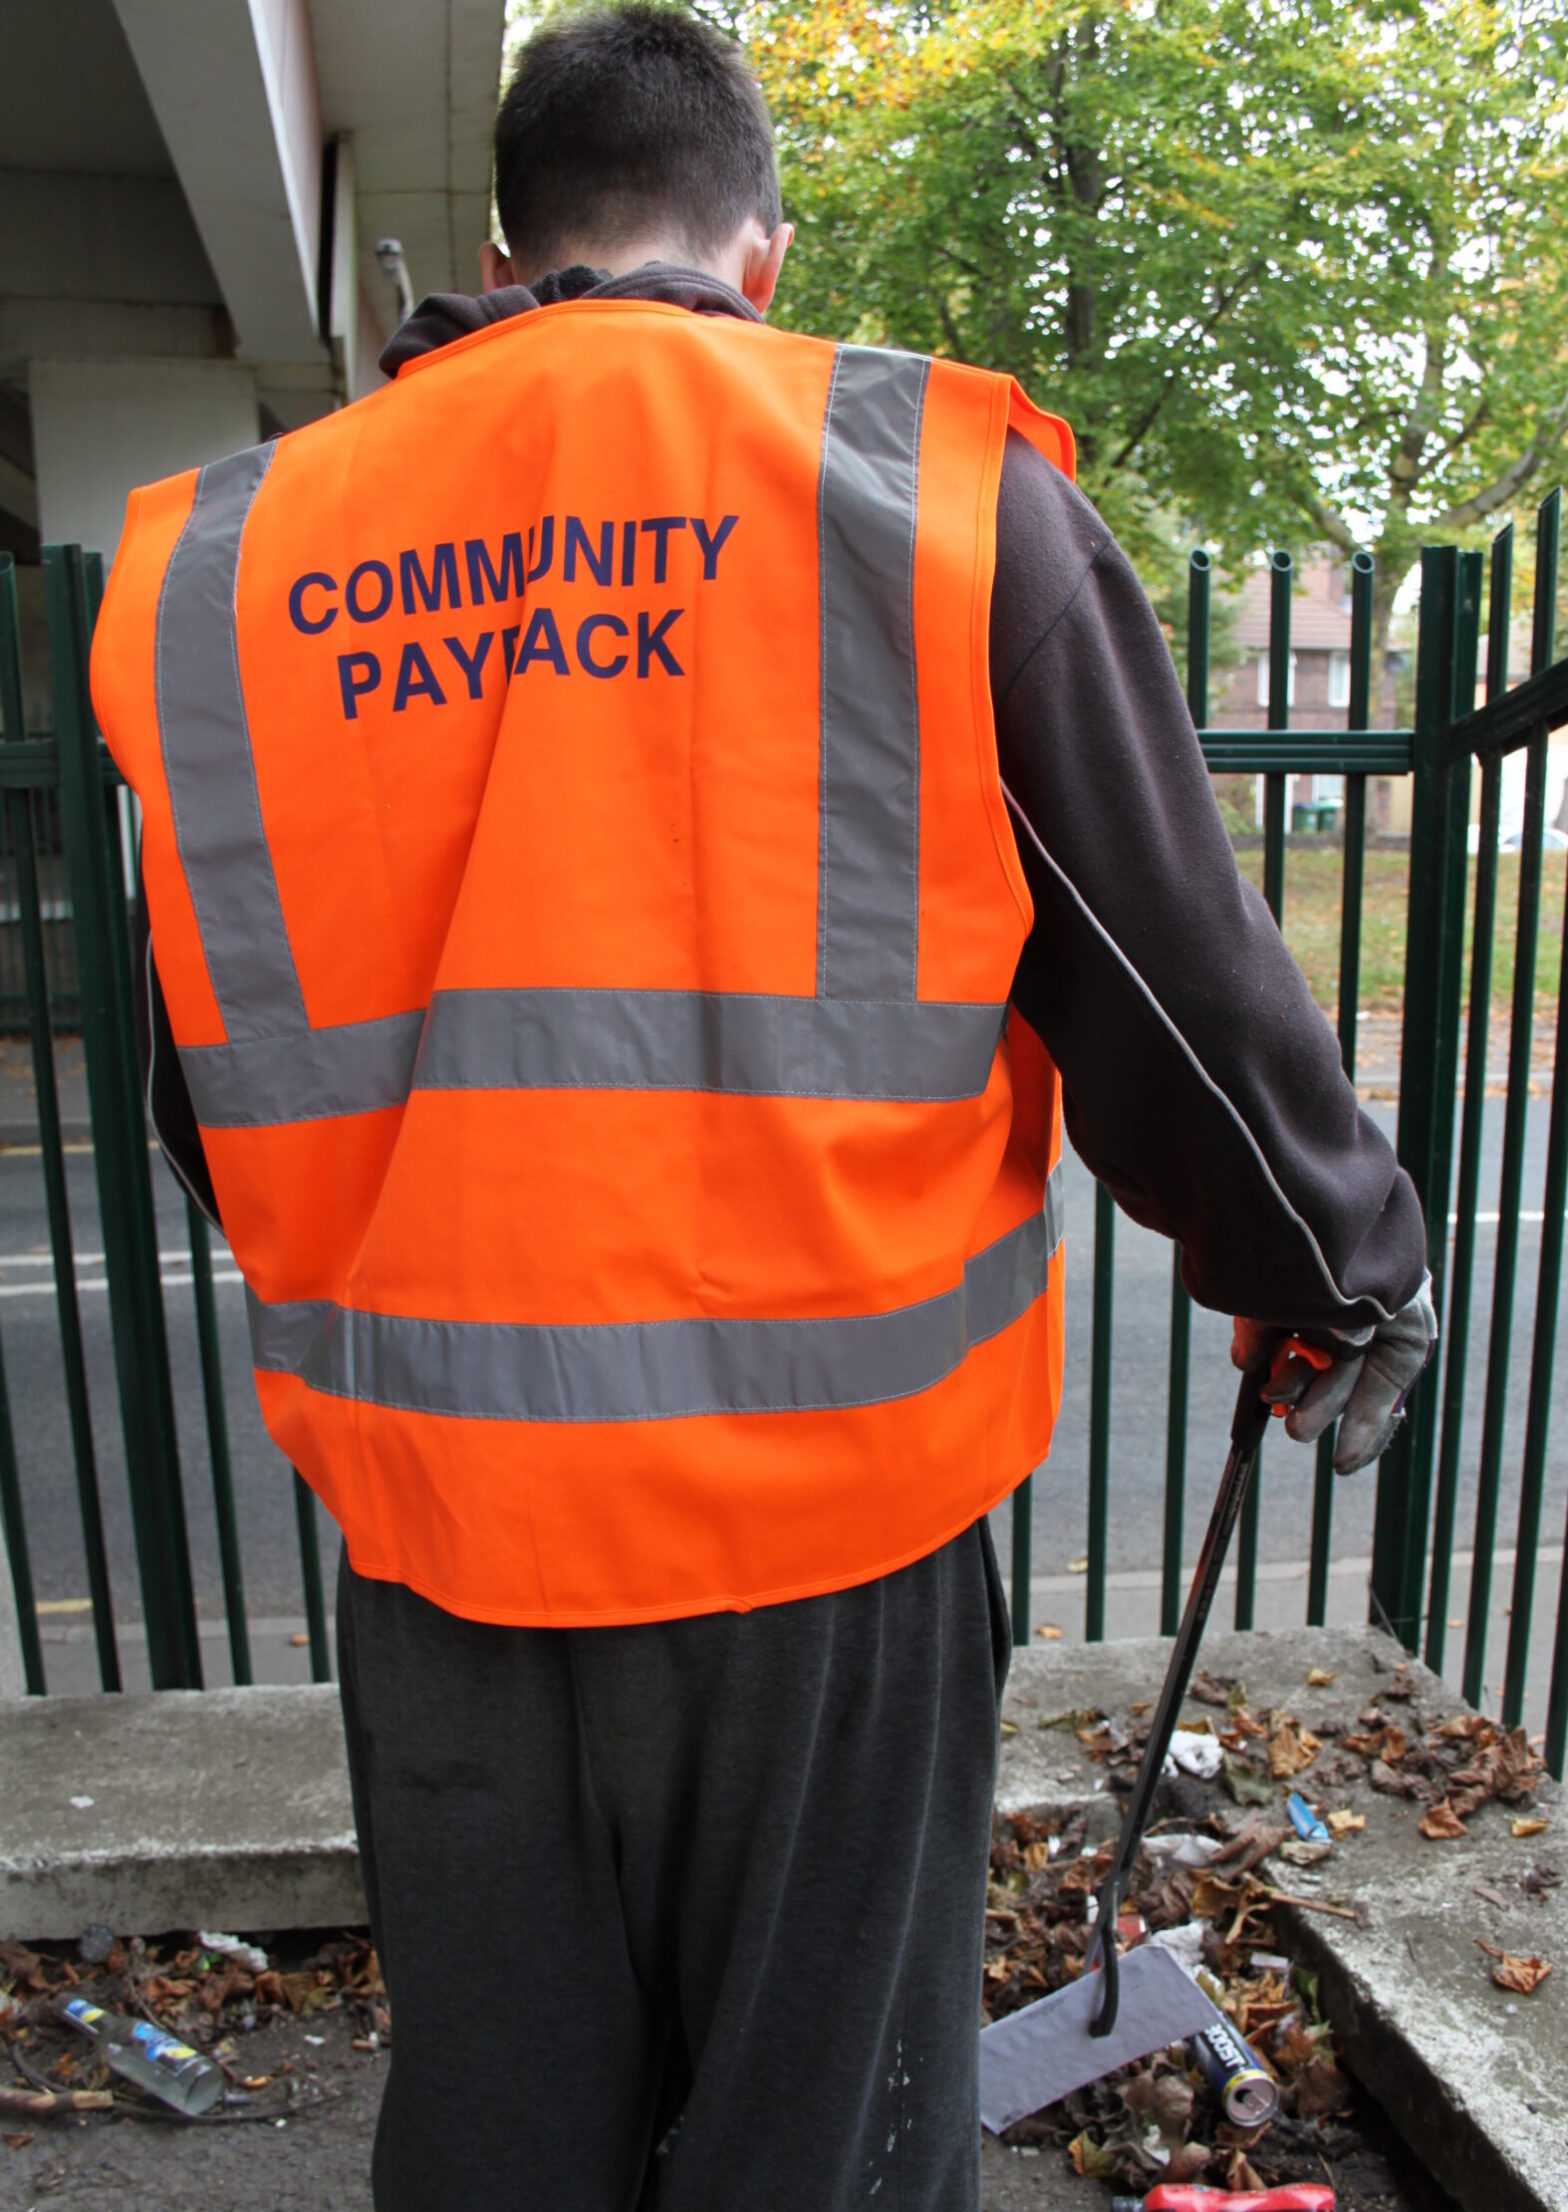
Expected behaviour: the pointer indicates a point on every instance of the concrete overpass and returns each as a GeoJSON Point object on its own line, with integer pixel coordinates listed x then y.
{"type": "Point", "coordinates": [191, 195]}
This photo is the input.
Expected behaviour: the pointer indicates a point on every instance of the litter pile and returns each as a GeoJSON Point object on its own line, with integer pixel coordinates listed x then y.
{"type": "Point", "coordinates": [209, 1993]}
{"type": "Point", "coordinates": [1257, 1811]}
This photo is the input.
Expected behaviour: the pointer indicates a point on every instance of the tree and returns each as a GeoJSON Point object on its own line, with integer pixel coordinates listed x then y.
{"type": "Point", "coordinates": [1292, 268]}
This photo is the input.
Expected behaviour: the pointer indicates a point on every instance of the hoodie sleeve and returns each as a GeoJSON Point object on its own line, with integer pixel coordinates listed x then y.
{"type": "Point", "coordinates": [1200, 1081]}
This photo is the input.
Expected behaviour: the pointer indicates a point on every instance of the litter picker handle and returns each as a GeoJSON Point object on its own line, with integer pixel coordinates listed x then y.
{"type": "Point", "coordinates": [1248, 1425]}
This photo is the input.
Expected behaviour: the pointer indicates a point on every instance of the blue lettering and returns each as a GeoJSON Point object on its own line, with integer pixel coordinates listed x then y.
{"type": "Point", "coordinates": [383, 576]}
{"type": "Point", "coordinates": [541, 642]}
{"type": "Point", "coordinates": [473, 666]}
{"type": "Point", "coordinates": [357, 674]}
{"type": "Point", "coordinates": [508, 646]}
{"type": "Point", "coordinates": [602, 563]}
{"type": "Point", "coordinates": [585, 631]}
{"type": "Point", "coordinates": [659, 528]}
{"type": "Point", "coordinates": [297, 615]}
{"type": "Point", "coordinates": [628, 552]}
{"type": "Point", "coordinates": [546, 548]}
{"type": "Point", "coordinates": [416, 679]}
{"type": "Point", "coordinates": [509, 584]}
{"type": "Point", "coordinates": [443, 576]}
{"type": "Point", "coordinates": [714, 546]}
{"type": "Point", "coordinates": [650, 641]}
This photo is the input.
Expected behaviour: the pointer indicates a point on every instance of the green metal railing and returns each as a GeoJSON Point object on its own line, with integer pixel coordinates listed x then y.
{"type": "Point", "coordinates": [71, 768]}
{"type": "Point", "coordinates": [1421, 1479]}
{"type": "Point", "coordinates": [1415, 1524]}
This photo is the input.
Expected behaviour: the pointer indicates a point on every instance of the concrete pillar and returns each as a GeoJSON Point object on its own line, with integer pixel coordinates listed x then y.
{"type": "Point", "coordinates": [102, 427]}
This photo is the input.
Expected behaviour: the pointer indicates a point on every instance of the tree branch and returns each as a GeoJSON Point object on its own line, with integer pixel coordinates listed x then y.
{"type": "Point", "coordinates": [1509, 482]}
{"type": "Point", "coordinates": [1324, 518]}
{"type": "Point", "coordinates": [1151, 413]}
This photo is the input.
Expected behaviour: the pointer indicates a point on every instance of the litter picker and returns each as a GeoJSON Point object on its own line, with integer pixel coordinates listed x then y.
{"type": "Point", "coordinates": [1079, 2033]}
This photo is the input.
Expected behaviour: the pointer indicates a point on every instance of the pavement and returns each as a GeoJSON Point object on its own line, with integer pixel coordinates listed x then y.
{"type": "Point", "coordinates": [230, 1809]}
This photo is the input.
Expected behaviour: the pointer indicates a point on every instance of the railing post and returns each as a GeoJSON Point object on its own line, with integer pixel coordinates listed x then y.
{"type": "Point", "coordinates": [120, 1149]}
{"type": "Point", "coordinates": [1394, 1534]}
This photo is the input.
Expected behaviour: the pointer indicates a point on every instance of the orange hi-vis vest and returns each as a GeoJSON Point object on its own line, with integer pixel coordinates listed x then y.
{"type": "Point", "coordinates": [582, 889]}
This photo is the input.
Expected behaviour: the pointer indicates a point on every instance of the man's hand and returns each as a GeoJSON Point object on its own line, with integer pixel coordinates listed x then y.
{"type": "Point", "coordinates": [1374, 1372]}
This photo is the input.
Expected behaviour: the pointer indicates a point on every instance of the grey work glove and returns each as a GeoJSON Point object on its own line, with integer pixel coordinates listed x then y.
{"type": "Point", "coordinates": [1374, 1372]}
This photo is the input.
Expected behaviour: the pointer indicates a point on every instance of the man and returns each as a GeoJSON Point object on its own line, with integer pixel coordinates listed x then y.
{"type": "Point", "coordinates": [602, 795]}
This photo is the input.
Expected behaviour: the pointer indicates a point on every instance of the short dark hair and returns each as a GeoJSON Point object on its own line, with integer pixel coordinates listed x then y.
{"type": "Point", "coordinates": [623, 119]}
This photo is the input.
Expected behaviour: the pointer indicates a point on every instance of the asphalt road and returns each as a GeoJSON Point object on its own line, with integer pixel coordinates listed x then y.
{"type": "Point", "coordinates": [29, 1333]}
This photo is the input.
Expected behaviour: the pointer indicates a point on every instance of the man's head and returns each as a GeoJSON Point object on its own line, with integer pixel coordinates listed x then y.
{"type": "Point", "coordinates": [630, 134]}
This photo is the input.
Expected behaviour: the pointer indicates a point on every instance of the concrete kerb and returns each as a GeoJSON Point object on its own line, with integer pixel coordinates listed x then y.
{"type": "Point", "coordinates": [230, 1808]}
{"type": "Point", "coordinates": [1475, 2079]}
{"type": "Point", "coordinates": [185, 1809]}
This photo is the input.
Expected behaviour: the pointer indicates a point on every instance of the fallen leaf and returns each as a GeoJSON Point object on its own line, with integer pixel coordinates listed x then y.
{"type": "Point", "coordinates": [1079, 1566]}
{"type": "Point", "coordinates": [1319, 1678]}
{"type": "Point", "coordinates": [1188, 2163]}
{"type": "Point", "coordinates": [1209, 1689]}
{"type": "Point", "coordinates": [299, 1639]}
{"type": "Point", "coordinates": [1091, 2158]}
{"type": "Point", "coordinates": [1071, 1716]}
{"type": "Point", "coordinates": [1491, 1896]}
{"type": "Point", "coordinates": [1049, 1631]}
{"type": "Point", "coordinates": [1009, 1727]}
{"type": "Point", "coordinates": [1442, 1824]}
{"type": "Point", "coordinates": [1162, 2101]}
{"type": "Point", "coordinates": [1320, 2089]}
{"type": "Point", "coordinates": [1523, 1975]}
{"type": "Point", "coordinates": [1245, 1785]}
{"type": "Point", "coordinates": [1242, 2174]}
{"type": "Point", "coordinates": [1389, 1780]}
{"type": "Point", "coordinates": [1527, 1827]}
{"type": "Point", "coordinates": [1291, 1748]}
{"type": "Point", "coordinates": [1345, 1822]}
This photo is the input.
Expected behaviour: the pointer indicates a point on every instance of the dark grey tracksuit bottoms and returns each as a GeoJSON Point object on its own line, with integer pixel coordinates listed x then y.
{"type": "Point", "coordinates": [684, 1917]}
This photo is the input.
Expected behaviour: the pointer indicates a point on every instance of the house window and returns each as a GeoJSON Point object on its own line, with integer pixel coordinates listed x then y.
{"type": "Point", "coordinates": [1263, 681]}
{"type": "Point", "coordinates": [1339, 679]}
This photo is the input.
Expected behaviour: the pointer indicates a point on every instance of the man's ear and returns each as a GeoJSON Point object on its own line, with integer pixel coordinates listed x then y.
{"type": "Point", "coordinates": [764, 259]}
{"type": "Point", "coordinates": [495, 268]}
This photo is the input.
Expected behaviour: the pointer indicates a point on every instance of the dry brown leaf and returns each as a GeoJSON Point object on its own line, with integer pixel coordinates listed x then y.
{"type": "Point", "coordinates": [1092, 2158]}
{"type": "Point", "coordinates": [1291, 1748]}
{"type": "Point", "coordinates": [1527, 1827]}
{"type": "Point", "coordinates": [1242, 2174]}
{"type": "Point", "coordinates": [1345, 1822]}
{"type": "Point", "coordinates": [1523, 1975]}
{"type": "Point", "coordinates": [1049, 1631]}
{"type": "Point", "coordinates": [1442, 1824]}
{"type": "Point", "coordinates": [1321, 2089]}
{"type": "Point", "coordinates": [1389, 1780]}
{"type": "Point", "coordinates": [1319, 1678]}
{"type": "Point", "coordinates": [1189, 2163]}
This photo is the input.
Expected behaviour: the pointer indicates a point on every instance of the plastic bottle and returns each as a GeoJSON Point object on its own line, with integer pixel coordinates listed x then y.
{"type": "Point", "coordinates": [149, 2056]}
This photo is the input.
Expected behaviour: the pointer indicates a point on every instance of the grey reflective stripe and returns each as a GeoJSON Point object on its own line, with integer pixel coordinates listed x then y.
{"type": "Point", "coordinates": [208, 763]}
{"type": "Point", "coordinates": [868, 883]}
{"type": "Point", "coordinates": [658, 1370]}
{"type": "Point", "coordinates": [735, 1042]}
{"type": "Point", "coordinates": [355, 1068]}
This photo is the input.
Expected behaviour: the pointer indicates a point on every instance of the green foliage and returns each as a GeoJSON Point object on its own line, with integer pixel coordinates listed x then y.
{"type": "Point", "coordinates": [1296, 270]}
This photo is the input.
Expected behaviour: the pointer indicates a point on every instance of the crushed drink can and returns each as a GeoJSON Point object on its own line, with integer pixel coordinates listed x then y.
{"type": "Point", "coordinates": [1246, 2093]}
